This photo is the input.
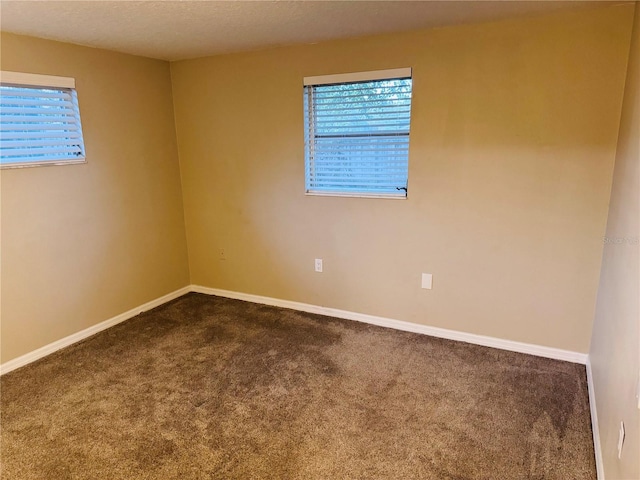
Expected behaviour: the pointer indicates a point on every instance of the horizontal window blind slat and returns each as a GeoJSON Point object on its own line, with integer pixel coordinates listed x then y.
{"type": "Point", "coordinates": [399, 168]}
{"type": "Point", "coordinates": [361, 131]}
{"type": "Point", "coordinates": [43, 135]}
{"type": "Point", "coordinates": [364, 95]}
{"type": "Point", "coordinates": [360, 185]}
{"type": "Point", "coordinates": [385, 167]}
{"type": "Point", "coordinates": [362, 150]}
{"type": "Point", "coordinates": [353, 172]}
{"type": "Point", "coordinates": [379, 181]}
{"type": "Point", "coordinates": [372, 104]}
{"type": "Point", "coordinates": [370, 131]}
{"type": "Point", "coordinates": [19, 127]}
{"type": "Point", "coordinates": [356, 114]}
{"type": "Point", "coordinates": [354, 188]}
{"type": "Point", "coordinates": [327, 152]}
{"type": "Point", "coordinates": [372, 137]}
{"type": "Point", "coordinates": [399, 122]}
{"type": "Point", "coordinates": [357, 103]}
{"type": "Point", "coordinates": [324, 115]}
{"type": "Point", "coordinates": [373, 182]}
{"type": "Point", "coordinates": [43, 119]}
{"type": "Point", "coordinates": [28, 102]}
{"type": "Point", "coordinates": [374, 129]}
{"type": "Point", "coordinates": [368, 161]}
{"type": "Point", "coordinates": [365, 140]}
{"type": "Point", "coordinates": [37, 143]}
{"type": "Point", "coordinates": [359, 173]}
{"type": "Point", "coordinates": [347, 89]}
{"type": "Point", "coordinates": [330, 142]}
{"type": "Point", "coordinates": [35, 93]}
{"type": "Point", "coordinates": [57, 110]}
{"type": "Point", "coordinates": [368, 157]}
{"type": "Point", "coordinates": [351, 176]}
{"type": "Point", "coordinates": [361, 135]}
{"type": "Point", "coordinates": [359, 110]}
{"type": "Point", "coordinates": [361, 143]}
{"type": "Point", "coordinates": [348, 94]}
{"type": "Point", "coordinates": [11, 152]}
{"type": "Point", "coordinates": [347, 162]}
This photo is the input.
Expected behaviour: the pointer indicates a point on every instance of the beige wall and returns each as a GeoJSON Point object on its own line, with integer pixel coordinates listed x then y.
{"type": "Point", "coordinates": [513, 136]}
{"type": "Point", "coordinates": [615, 346]}
{"type": "Point", "coordinates": [82, 243]}
{"type": "Point", "coordinates": [513, 140]}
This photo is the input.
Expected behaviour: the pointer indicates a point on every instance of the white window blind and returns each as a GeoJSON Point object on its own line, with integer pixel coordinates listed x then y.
{"type": "Point", "coordinates": [357, 133]}
{"type": "Point", "coordinates": [39, 123]}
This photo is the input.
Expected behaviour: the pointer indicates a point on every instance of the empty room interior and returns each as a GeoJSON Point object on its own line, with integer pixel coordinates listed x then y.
{"type": "Point", "coordinates": [320, 239]}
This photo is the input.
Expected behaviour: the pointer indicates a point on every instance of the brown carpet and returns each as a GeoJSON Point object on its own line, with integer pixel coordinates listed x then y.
{"type": "Point", "coordinates": [206, 387]}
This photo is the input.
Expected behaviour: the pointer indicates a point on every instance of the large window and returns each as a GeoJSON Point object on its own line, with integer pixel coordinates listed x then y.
{"type": "Point", "coordinates": [357, 133]}
{"type": "Point", "coordinates": [39, 121]}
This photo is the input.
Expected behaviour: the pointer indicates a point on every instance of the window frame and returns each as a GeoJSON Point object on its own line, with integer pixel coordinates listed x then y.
{"type": "Point", "coordinates": [53, 82]}
{"type": "Point", "coordinates": [347, 78]}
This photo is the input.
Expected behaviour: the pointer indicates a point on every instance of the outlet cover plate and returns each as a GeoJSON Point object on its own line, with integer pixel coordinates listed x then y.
{"type": "Point", "coordinates": [620, 440]}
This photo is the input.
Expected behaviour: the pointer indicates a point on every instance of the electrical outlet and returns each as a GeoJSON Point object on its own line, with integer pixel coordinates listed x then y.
{"type": "Point", "coordinates": [620, 440]}
{"type": "Point", "coordinates": [427, 281]}
{"type": "Point", "coordinates": [223, 255]}
{"type": "Point", "coordinates": [319, 265]}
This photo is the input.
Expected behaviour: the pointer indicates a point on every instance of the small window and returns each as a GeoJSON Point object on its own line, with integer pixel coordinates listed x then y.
{"type": "Point", "coordinates": [357, 133]}
{"type": "Point", "coordinates": [39, 121]}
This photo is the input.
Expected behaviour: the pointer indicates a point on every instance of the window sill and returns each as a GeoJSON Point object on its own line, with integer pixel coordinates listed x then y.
{"type": "Point", "coordinates": [389, 196]}
{"type": "Point", "coordinates": [43, 163]}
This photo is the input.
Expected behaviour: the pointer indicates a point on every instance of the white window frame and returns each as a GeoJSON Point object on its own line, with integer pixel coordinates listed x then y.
{"type": "Point", "coordinates": [374, 75]}
{"type": "Point", "coordinates": [33, 80]}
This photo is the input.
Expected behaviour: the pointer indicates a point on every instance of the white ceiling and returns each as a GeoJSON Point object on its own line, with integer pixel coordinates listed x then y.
{"type": "Point", "coordinates": [174, 30]}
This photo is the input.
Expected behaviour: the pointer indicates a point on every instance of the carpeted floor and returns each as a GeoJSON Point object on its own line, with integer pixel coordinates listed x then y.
{"type": "Point", "coordinates": [206, 387]}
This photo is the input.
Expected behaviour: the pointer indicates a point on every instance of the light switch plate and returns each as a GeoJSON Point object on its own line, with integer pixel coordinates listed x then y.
{"type": "Point", "coordinates": [427, 281]}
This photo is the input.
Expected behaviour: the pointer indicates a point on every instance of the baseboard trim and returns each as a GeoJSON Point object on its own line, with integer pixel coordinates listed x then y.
{"type": "Point", "coordinates": [87, 332]}
{"type": "Point", "coordinates": [594, 422]}
{"type": "Point", "coordinates": [537, 350]}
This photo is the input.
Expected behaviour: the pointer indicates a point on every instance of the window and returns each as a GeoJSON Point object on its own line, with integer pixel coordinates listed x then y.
{"type": "Point", "coordinates": [357, 133]}
{"type": "Point", "coordinates": [39, 121]}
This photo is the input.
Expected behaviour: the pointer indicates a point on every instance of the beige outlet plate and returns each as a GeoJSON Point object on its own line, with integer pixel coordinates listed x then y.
{"type": "Point", "coordinates": [620, 440]}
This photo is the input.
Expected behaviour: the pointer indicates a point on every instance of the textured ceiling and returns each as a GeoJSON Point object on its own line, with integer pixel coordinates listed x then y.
{"type": "Point", "coordinates": [173, 30]}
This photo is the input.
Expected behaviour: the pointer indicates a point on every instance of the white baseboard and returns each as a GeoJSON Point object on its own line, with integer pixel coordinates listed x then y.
{"type": "Point", "coordinates": [87, 332]}
{"type": "Point", "coordinates": [502, 344]}
{"type": "Point", "coordinates": [594, 422]}
{"type": "Point", "coordinates": [538, 350]}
